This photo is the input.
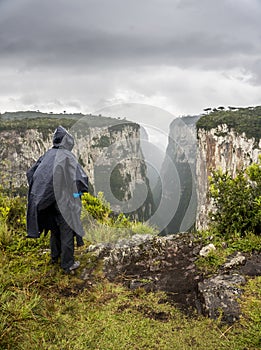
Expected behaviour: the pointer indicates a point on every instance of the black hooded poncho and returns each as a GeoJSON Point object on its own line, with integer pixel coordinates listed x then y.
{"type": "Point", "coordinates": [53, 180]}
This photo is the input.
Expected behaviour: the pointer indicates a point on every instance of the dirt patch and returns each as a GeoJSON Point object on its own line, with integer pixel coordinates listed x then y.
{"type": "Point", "coordinates": [166, 265]}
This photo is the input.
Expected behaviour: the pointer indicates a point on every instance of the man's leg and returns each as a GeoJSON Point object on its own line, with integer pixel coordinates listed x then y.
{"type": "Point", "coordinates": [67, 246]}
{"type": "Point", "coordinates": [79, 240]}
{"type": "Point", "coordinates": [49, 219]}
{"type": "Point", "coordinates": [55, 244]}
{"type": "Point", "coordinates": [67, 243]}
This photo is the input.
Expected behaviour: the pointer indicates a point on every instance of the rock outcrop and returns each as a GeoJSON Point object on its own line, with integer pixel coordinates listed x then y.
{"type": "Point", "coordinates": [169, 264]}
{"type": "Point", "coordinates": [155, 263]}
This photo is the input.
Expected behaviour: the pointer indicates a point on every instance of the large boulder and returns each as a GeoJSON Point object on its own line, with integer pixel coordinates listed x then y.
{"type": "Point", "coordinates": [220, 296]}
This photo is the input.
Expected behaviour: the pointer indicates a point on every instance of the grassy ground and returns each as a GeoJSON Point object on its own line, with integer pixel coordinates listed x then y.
{"type": "Point", "coordinates": [43, 308]}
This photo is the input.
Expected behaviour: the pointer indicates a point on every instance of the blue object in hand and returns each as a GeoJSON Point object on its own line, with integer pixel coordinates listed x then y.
{"type": "Point", "coordinates": [77, 195]}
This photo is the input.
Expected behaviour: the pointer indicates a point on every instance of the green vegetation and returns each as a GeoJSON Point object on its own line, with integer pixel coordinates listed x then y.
{"type": "Point", "coordinates": [242, 120]}
{"type": "Point", "coordinates": [235, 221]}
{"type": "Point", "coordinates": [236, 217]}
{"type": "Point", "coordinates": [78, 124]}
{"type": "Point", "coordinates": [74, 118]}
{"type": "Point", "coordinates": [225, 247]}
{"type": "Point", "coordinates": [45, 125]}
{"type": "Point", "coordinates": [103, 141]}
{"type": "Point", "coordinates": [97, 207]}
{"type": "Point", "coordinates": [102, 225]}
{"type": "Point", "coordinates": [120, 125]}
{"type": "Point", "coordinates": [37, 114]}
{"type": "Point", "coordinates": [42, 308]}
{"type": "Point", "coordinates": [237, 201]}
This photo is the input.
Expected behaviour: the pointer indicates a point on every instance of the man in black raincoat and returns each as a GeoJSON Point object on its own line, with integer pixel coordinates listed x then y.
{"type": "Point", "coordinates": [56, 182]}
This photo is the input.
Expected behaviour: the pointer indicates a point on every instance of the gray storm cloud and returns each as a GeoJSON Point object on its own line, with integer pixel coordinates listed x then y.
{"type": "Point", "coordinates": [197, 33]}
{"type": "Point", "coordinates": [160, 52]}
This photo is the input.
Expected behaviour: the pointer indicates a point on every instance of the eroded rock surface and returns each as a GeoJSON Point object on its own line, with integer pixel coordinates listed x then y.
{"type": "Point", "coordinates": [155, 263]}
{"type": "Point", "coordinates": [168, 264]}
{"type": "Point", "coordinates": [220, 294]}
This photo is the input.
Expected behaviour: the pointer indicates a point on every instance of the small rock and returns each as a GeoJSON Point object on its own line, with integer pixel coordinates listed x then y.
{"type": "Point", "coordinates": [239, 259]}
{"type": "Point", "coordinates": [100, 249]}
{"type": "Point", "coordinates": [207, 249]}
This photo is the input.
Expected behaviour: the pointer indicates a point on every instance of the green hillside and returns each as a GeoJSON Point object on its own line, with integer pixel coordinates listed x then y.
{"type": "Point", "coordinates": [247, 120]}
{"type": "Point", "coordinates": [24, 120]}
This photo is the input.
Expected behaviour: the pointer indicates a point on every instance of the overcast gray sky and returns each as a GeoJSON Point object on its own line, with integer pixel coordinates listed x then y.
{"type": "Point", "coordinates": [179, 56]}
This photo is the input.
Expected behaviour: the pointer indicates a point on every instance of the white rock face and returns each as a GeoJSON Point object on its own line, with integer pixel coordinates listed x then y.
{"type": "Point", "coordinates": [100, 150]}
{"type": "Point", "coordinates": [18, 152]}
{"type": "Point", "coordinates": [220, 148]}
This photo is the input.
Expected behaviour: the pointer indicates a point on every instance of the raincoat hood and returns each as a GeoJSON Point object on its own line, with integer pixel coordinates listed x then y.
{"type": "Point", "coordinates": [62, 139]}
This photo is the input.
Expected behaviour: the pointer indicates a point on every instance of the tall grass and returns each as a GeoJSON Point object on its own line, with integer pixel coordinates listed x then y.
{"type": "Point", "coordinates": [97, 232]}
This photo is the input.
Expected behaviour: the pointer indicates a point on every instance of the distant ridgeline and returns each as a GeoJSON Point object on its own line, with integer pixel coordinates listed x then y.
{"type": "Point", "coordinates": [24, 120]}
{"type": "Point", "coordinates": [108, 149]}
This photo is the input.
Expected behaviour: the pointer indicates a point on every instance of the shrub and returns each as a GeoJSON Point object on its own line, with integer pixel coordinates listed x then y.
{"type": "Point", "coordinates": [12, 211]}
{"type": "Point", "coordinates": [237, 201]}
{"type": "Point", "coordinates": [97, 207]}
{"type": "Point", "coordinates": [12, 218]}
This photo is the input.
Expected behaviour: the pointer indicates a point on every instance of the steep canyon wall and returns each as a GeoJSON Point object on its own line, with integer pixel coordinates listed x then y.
{"type": "Point", "coordinates": [178, 181]}
{"type": "Point", "coordinates": [220, 148]}
{"type": "Point", "coordinates": [223, 139]}
{"type": "Point", "coordinates": [111, 156]}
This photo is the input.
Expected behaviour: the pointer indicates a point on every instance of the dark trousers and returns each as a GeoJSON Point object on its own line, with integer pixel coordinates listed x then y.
{"type": "Point", "coordinates": [62, 241]}
{"type": "Point", "coordinates": [79, 240]}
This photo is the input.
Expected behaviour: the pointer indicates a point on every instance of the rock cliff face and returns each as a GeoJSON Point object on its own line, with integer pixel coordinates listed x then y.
{"type": "Point", "coordinates": [224, 139]}
{"type": "Point", "coordinates": [110, 155]}
{"type": "Point", "coordinates": [178, 180]}
{"type": "Point", "coordinates": [220, 148]}
{"type": "Point", "coordinates": [18, 152]}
